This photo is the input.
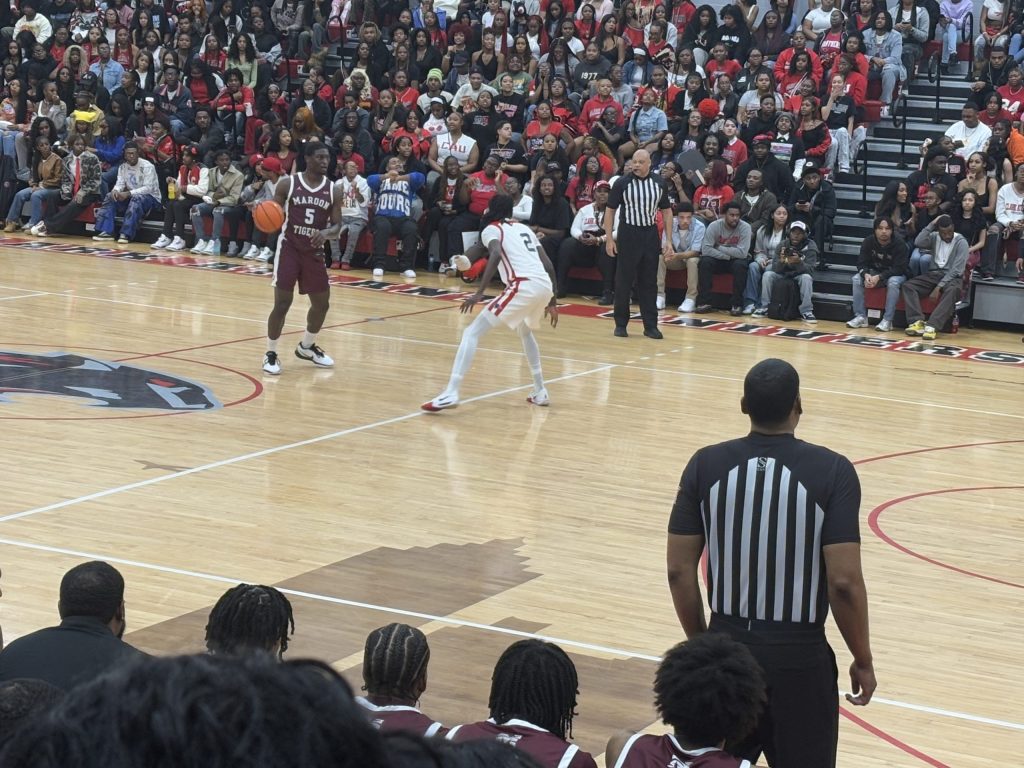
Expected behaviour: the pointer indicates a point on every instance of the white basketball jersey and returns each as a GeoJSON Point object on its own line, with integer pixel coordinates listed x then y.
{"type": "Point", "coordinates": [520, 252]}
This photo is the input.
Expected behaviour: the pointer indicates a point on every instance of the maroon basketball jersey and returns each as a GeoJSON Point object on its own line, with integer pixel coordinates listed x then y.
{"type": "Point", "coordinates": [308, 211]}
{"type": "Point", "coordinates": [398, 718]}
{"type": "Point", "coordinates": [648, 751]}
{"type": "Point", "coordinates": [543, 746]}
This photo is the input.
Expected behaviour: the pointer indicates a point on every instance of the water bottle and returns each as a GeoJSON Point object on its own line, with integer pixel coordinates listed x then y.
{"type": "Point", "coordinates": [172, 189]}
{"type": "Point", "coordinates": [956, 323]}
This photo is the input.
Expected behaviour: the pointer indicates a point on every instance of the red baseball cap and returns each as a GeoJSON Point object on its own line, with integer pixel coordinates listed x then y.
{"type": "Point", "coordinates": [273, 165]}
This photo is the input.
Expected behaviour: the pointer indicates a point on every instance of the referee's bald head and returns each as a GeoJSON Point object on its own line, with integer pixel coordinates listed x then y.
{"type": "Point", "coordinates": [771, 393]}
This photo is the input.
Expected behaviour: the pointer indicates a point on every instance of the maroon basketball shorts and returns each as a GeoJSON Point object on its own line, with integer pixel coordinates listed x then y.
{"type": "Point", "coordinates": [308, 270]}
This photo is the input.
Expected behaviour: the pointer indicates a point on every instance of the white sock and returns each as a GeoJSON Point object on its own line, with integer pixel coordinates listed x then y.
{"type": "Point", "coordinates": [467, 349]}
{"type": "Point", "coordinates": [271, 345]}
{"type": "Point", "coordinates": [532, 352]}
{"type": "Point", "coordinates": [308, 339]}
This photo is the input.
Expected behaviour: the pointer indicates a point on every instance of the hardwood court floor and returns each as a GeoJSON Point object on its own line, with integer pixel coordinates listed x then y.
{"type": "Point", "coordinates": [498, 518]}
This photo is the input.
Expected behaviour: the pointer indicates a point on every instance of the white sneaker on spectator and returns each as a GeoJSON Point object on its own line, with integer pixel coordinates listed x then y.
{"type": "Point", "coordinates": [199, 247]}
{"type": "Point", "coordinates": [37, 230]}
{"type": "Point", "coordinates": [884, 112]}
{"type": "Point", "coordinates": [460, 262]}
{"type": "Point", "coordinates": [883, 325]}
{"type": "Point", "coordinates": [265, 255]}
{"type": "Point", "coordinates": [122, 240]}
{"type": "Point", "coordinates": [749, 309]}
{"type": "Point", "coordinates": [177, 244]}
{"type": "Point", "coordinates": [659, 303]}
{"type": "Point", "coordinates": [858, 322]}
{"type": "Point", "coordinates": [233, 250]}
{"type": "Point", "coordinates": [252, 252]}
{"type": "Point", "coordinates": [688, 305]}
{"type": "Point", "coordinates": [378, 272]}
{"type": "Point", "coordinates": [161, 242]}
{"type": "Point", "coordinates": [409, 273]}
{"type": "Point", "coordinates": [212, 248]}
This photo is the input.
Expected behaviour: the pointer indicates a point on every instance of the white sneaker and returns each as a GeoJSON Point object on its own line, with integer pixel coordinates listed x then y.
{"type": "Point", "coordinates": [314, 354]}
{"type": "Point", "coordinates": [659, 303]}
{"type": "Point", "coordinates": [37, 229]}
{"type": "Point", "coordinates": [409, 273]}
{"type": "Point", "coordinates": [749, 309]}
{"type": "Point", "coordinates": [444, 268]}
{"type": "Point", "coordinates": [271, 364]}
{"type": "Point", "coordinates": [883, 325]}
{"type": "Point", "coordinates": [161, 242]}
{"type": "Point", "coordinates": [199, 247]}
{"type": "Point", "coordinates": [252, 252]}
{"type": "Point", "coordinates": [539, 397]}
{"type": "Point", "coordinates": [688, 305]}
{"type": "Point", "coordinates": [378, 273]}
{"type": "Point", "coordinates": [212, 248]}
{"type": "Point", "coordinates": [233, 250]}
{"type": "Point", "coordinates": [460, 262]}
{"type": "Point", "coordinates": [884, 112]}
{"type": "Point", "coordinates": [122, 240]}
{"type": "Point", "coordinates": [265, 254]}
{"type": "Point", "coordinates": [858, 322]}
{"type": "Point", "coordinates": [442, 402]}
{"type": "Point", "coordinates": [177, 244]}
{"type": "Point", "coordinates": [844, 169]}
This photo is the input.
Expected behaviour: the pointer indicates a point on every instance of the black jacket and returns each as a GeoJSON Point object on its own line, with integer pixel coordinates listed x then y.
{"type": "Point", "coordinates": [778, 178]}
{"type": "Point", "coordinates": [79, 649]}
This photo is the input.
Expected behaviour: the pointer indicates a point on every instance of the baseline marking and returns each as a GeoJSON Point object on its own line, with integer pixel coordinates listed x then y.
{"type": "Point", "coordinates": [459, 622]}
{"type": "Point", "coordinates": [275, 449]}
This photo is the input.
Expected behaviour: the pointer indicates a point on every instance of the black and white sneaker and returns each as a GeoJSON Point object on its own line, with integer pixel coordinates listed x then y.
{"type": "Point", "coordinates": [314, 354]}
{"type": "Point", "coordinates": [271, 364]}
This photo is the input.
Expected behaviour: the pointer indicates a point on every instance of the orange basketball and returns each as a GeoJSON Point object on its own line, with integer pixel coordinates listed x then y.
{"type": "Point", "coordinates": [268, 216]}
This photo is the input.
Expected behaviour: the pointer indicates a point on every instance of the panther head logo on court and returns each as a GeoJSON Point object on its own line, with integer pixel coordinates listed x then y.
{"type": "Point", "coordinates": [102, 383]}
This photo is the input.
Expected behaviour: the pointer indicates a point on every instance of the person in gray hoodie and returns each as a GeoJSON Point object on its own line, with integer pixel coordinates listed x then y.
{"type": "Point", "coordinates": [942, 283]}
{"type": "Point", "coordinates": [884, 48]}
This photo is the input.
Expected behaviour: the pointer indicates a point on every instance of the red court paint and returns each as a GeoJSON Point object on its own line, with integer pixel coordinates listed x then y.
{"type": "Point", "coordinates": [889, 739]}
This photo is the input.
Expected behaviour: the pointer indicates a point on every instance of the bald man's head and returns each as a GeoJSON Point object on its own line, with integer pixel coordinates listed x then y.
{"type": "Point", "coordinates": [641, 163]}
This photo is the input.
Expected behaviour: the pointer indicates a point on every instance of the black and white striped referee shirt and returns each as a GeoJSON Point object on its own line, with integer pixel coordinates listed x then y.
{"type": "Point", "coordinates": [766, 505]}
{"type": "Point", "coordinates": [637, 200]}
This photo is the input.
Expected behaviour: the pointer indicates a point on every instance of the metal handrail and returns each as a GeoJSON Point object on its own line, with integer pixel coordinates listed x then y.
{"type": "Point", "coordinates": [899, 120]}
{"type": "Point", "coordinates": [864, 173]}
{"type": "Point", "coordinates": [935, 76]}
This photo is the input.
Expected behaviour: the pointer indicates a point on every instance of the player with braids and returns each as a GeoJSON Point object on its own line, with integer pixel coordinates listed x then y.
{"type": "Point", "coordinates": [532, 703]}
{"type": "Point", "coordinates": [394, 677]}
{"type": "Point", "coordinates": [710, 690]}
{"type": "Point", "coordinates": [250, 618]}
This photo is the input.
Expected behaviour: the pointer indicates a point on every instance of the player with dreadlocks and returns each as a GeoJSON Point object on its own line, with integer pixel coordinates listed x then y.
{"type": "Point", "coordinates": [532, 702]}
{"type": "Point", "coordinates": [250, 618]}
{"type": "Point", "coordinates": [710, 690]}
{"type": "Point", "coordinates": [394, 677]}
{"type": "Point", "coordinates": [517, 255]}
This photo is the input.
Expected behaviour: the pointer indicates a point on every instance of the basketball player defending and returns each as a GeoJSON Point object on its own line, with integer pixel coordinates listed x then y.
{"type": "Point", "coordinates": [312, 216]}
{"type": "Point", "coordinates": [516, 253]}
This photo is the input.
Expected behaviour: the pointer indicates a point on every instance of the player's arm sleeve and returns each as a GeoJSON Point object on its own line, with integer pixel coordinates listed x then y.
{"type": "Point", "coordinates": [842, 513]}
{"type": "Point", "coordinates": [686, 519]}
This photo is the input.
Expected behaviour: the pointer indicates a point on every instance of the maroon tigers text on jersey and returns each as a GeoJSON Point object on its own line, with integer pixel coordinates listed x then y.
{"type": "Point", "coordinates": [649, 751]}
{"type": "Point", "coordinates": [308, 211]}
{"type": "Point", "coordinates": [399, 718]}
{"type": "Point", "coordinates": [543, 746]}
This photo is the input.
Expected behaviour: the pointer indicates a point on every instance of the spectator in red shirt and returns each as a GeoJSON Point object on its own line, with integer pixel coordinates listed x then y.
{"type": "Point", "coordinates": [799, 43]}
{"type": "Point", "coordinates": [711, 197]}
{"type": "Point", "coordinates": [1012, 93]}
{"type": "Point", "coordinates": [856, 84]}
{"type": "Point", "coordinates": [720, 63]}
{"type": "Point", "coordinates": [234, 104]}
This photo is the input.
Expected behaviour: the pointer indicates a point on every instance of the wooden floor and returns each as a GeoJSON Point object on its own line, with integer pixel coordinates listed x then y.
{"type": "Point", "coordinates": [498, 519]}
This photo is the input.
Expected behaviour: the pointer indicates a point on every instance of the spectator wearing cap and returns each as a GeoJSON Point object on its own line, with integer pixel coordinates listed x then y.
{"type": "Point", "coordinates": [434, 89]}
{"type": "Point", "coordinates": [263, 186]}
{"type": "Point", "coordinates": [775, 174]}
{"type": "Point", "coordinates": [786, 144]}
{"type": "Point", "coordinates": [795, 260]}
{"type": "Point", "coordinates": [813, 201]}
{"type": "Point", "coordinates": [458, 73]}
{"type": "Point", "coordinates": [637, 72]}
{"type": "Point", "coordinates": [184, 190]}
{"type": "Point", "coordinates": [80, 187]}
{"type": "Point", "coordinates": [585, 246]}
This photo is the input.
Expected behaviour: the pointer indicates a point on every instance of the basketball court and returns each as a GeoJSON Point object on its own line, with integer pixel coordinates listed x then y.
{"type": "Point", "coordinates": [191, 471]}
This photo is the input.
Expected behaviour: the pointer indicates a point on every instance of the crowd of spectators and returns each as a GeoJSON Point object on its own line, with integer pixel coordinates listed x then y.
{"type": "Point", "coordinates": [79, 694]}
{"type": "Point", "coordinates": [198, 108]}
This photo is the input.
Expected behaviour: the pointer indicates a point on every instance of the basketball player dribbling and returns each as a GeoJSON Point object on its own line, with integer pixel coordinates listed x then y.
{"type": "Point", "coordinates": [517, 255]}
{"type": "Point", "coordinates": [312, 216]}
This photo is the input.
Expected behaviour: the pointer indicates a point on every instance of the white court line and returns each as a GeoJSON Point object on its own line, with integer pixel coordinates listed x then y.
{"type": "Point", "coordinates": [275, 449]}
{"type": "Point", "coordinates": [25, 296]}
{"type": "Point", "coordinates": [450, 620]}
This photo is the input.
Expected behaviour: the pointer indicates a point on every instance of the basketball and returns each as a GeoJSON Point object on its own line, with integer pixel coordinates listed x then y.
{"type": "Point", "coordinates": [268, 216]}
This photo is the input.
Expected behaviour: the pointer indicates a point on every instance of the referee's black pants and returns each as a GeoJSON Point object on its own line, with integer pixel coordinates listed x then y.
{"type": "Point", "coordinates": [639, 249]}
{"type": "Point", "coordinates": [799, 727]}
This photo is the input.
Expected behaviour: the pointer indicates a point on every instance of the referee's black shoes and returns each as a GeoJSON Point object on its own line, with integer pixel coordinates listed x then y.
{"type": "Point", "coordinates": [620, 332]}
{"type": "Point", "coordinates": [653, 333]}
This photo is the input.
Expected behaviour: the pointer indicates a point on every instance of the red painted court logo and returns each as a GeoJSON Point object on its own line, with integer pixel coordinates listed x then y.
{"type": "Point", "coordinates": [99, 383]}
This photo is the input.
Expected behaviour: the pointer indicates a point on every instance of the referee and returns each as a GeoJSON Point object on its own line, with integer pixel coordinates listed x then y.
{"type": "Point", "coordinates": [779, 518]}
{"type": "Point", "coordinates": [639, 195]}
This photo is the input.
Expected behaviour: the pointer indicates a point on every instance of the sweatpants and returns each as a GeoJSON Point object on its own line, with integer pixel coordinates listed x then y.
{"type": "Point", "coordinates": [924, 284]}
